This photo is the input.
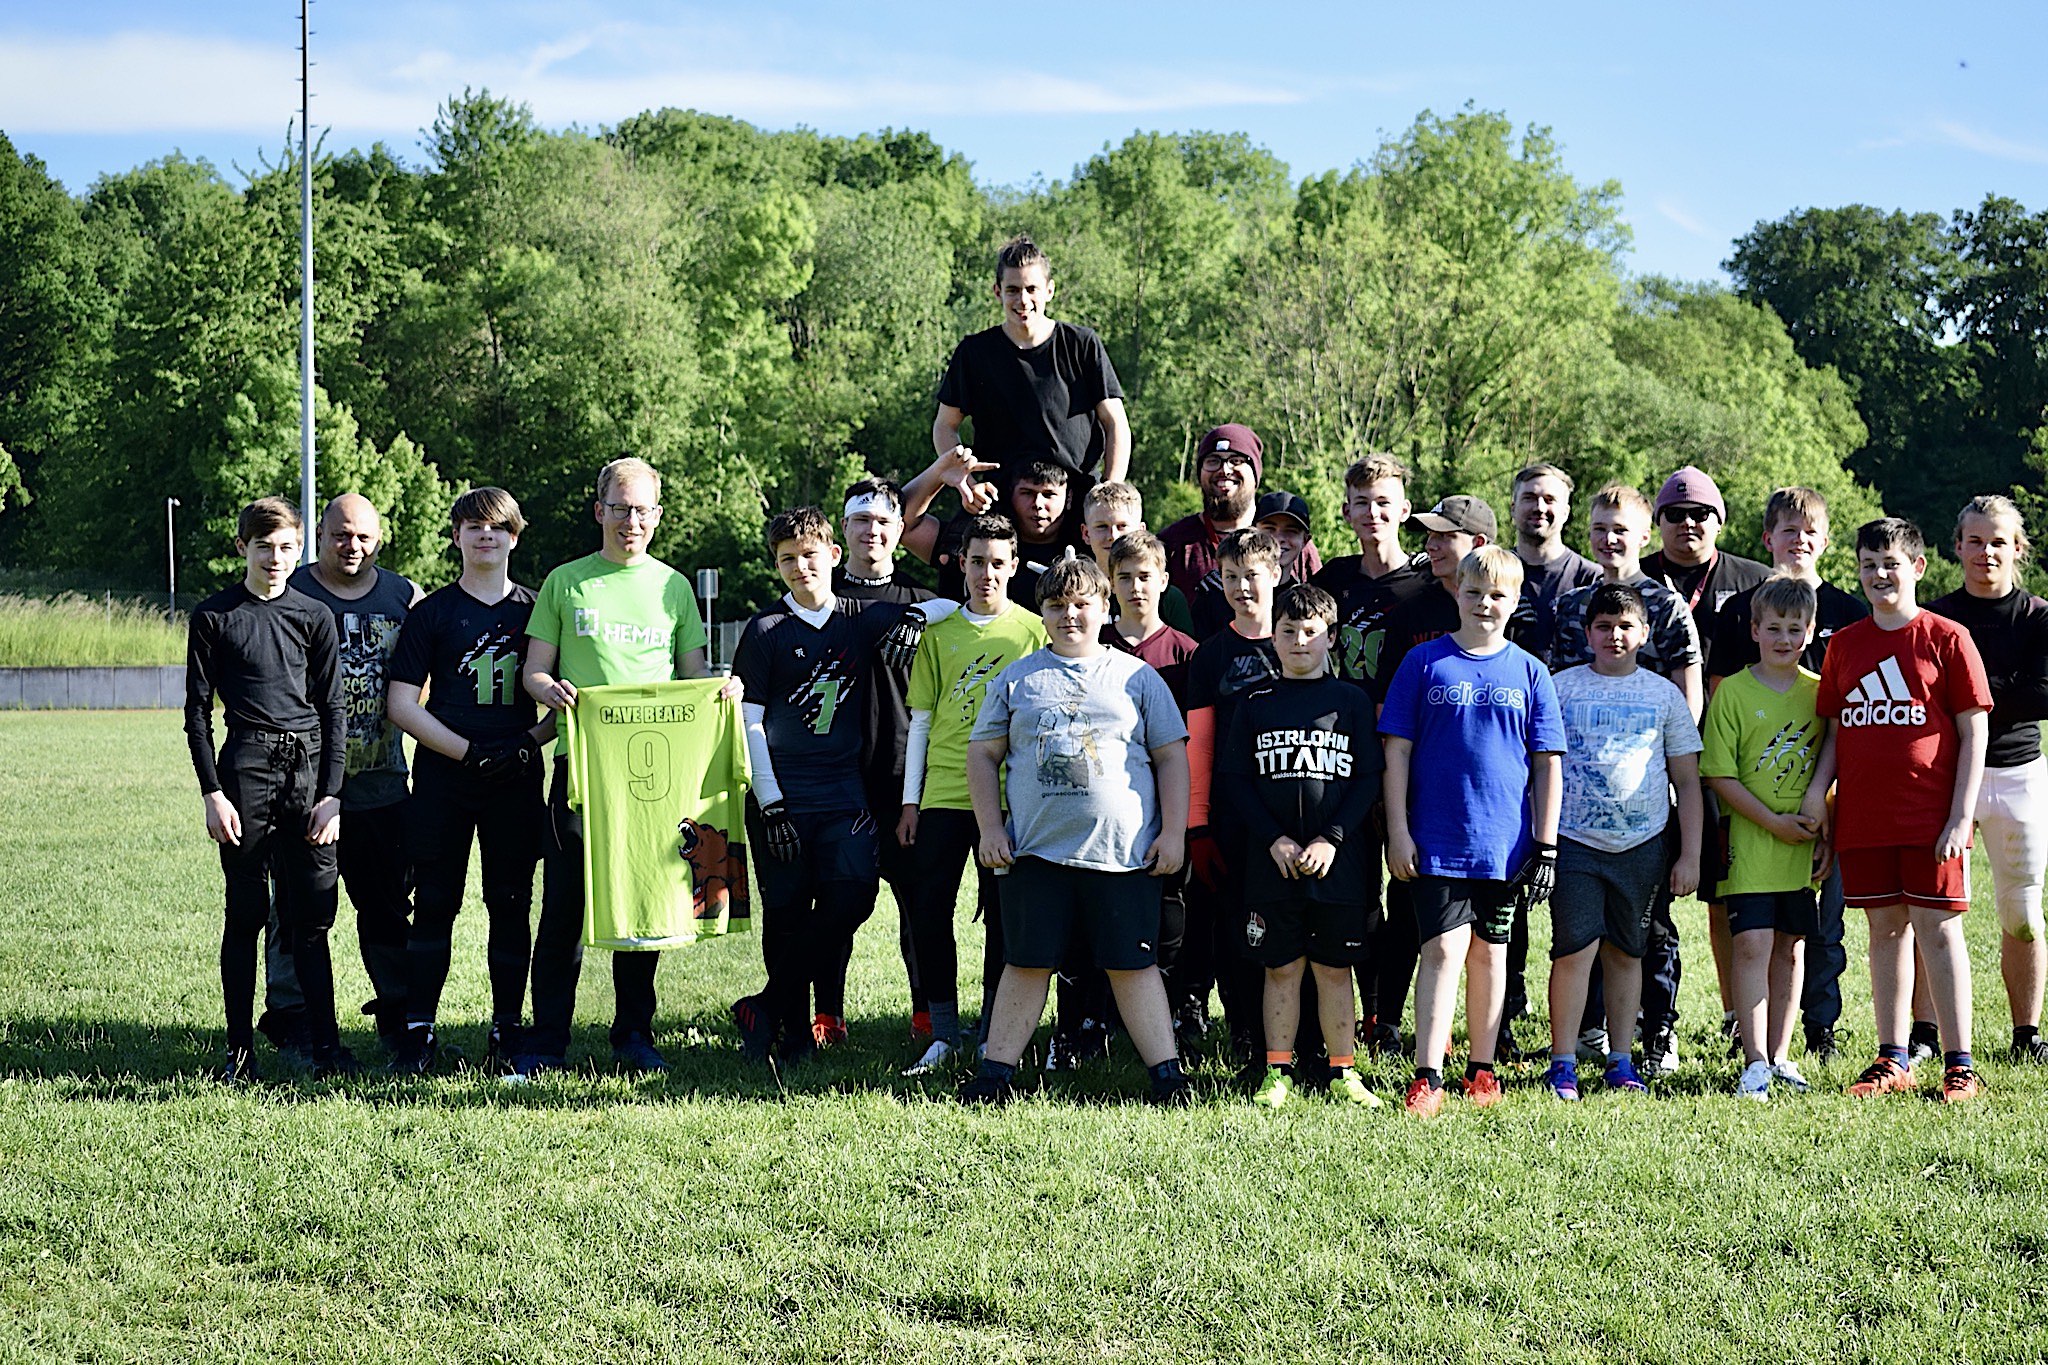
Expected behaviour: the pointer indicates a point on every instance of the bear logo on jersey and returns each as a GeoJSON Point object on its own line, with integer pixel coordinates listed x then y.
{"type": "Point", "coordinates": [718, 870]}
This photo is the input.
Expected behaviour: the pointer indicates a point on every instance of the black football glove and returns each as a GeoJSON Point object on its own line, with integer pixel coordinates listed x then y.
{"type": "Point", "coordinates": [899, 647]}
{"type": "Point", "coordinates": [1538, 877]}
{"type": "Point", "coordinates": [784, 844]}
{"type": "Point", "coordinates": [496, 760]}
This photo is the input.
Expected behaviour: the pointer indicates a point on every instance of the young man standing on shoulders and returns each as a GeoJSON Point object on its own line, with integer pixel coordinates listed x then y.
{"type": "Point", "coordinates": [369, 606]}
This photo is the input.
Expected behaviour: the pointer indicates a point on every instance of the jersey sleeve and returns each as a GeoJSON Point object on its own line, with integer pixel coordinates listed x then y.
{"type": "Point", "coordinates": [1400, 713]}
{"type": "Point", "coordinates": [1963, 678]}
{"type": "Point", "coordinates": [199, 694]}
{"type": "Point", "coordinates": [1827, 702]}
{"type": "Point", "coordinates": [750, 662]}
{"type": "Point", "coordinates": [1681, 736]}
{"type": "Point", "coordinates": [323, 689]}
{"type": "Point", "coordinates": [545, 624]}
{"type": "Point", "coordinates": [993, 720]}
{"type": "Point", "coordinates": [923, 692]}
{"type": "Point", "coordinates": [956, 389]}
{"type": "Point", "coordinates": [2024, 695]}
{"type": "Point", "coordinates": [1156, 709]}
{"type": "Point", "coordinates": [1546, 719]}
{"type": "Point", "coordinates": [413, 660]}
{"type": "Point", "coordinates": [1241, 797]}
{"type": "Point", "coordinates": [1103, 383]}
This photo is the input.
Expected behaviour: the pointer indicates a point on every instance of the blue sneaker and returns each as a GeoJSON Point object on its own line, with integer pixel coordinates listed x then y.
{"type": "Point", "coordinates": [1563, 1078]}
{"type": "Point", "coordinates": [637, 1053]}
{"type": "Point", "coordinates": [1622, 1075]}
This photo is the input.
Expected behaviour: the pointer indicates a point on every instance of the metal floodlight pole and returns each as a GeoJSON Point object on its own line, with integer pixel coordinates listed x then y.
{"type": "Point", "coordinates": [171, 547]}
{"type": "Point", "coordinates": [307, 458]}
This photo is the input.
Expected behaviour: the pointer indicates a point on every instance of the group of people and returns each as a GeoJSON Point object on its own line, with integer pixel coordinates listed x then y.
{"type": "Point", "coordinates": [1183, 765]}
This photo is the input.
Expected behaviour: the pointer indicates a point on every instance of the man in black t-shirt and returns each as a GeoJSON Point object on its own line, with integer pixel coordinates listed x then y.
{"type": "Point", "coordinates": [477, 775]}
{"type": "Point", "coordinates": [1036, 389]}
{"type": "Point", "coordinates": [1540, 502]}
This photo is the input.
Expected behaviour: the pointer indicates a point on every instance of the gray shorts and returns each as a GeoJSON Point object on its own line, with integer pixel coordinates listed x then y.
{"type": "Point", "coordinates": [1603, 895]}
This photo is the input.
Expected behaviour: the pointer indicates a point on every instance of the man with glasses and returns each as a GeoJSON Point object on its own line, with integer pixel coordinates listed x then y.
{"type": "Point", "coordinates": [1228, 464]}
{"type": "Point", "coordinates": [617, 616]}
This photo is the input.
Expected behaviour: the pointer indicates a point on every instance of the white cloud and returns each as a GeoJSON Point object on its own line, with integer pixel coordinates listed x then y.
{"type": "Point", "coordinates": [1675, 212]}
{"type": "Point", "coordinates": [144, 82]}
{"type": "Point", "coordinates": [1990, 144]}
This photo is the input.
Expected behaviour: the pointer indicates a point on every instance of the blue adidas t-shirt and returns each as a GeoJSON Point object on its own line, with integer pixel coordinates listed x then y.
{"type": "Point", "coordinates": [1474, 720]}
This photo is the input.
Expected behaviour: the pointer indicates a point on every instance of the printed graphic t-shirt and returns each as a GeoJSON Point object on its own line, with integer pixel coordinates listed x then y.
{"type": "Point", "coordinates": [368, 628]}
{"type": "Point", "coordinates": [1619, 735]}
{"type": "Point", "coordinates": [955, 661]}
{"type": "Point", "coordinates": [1894, 696]}
{"type": "Point", "coordinates": [1767, 740]}
{"type": "Point", "coordinates": [1474, 720]}
{"type": "Point", "coordinates": [617, 623]}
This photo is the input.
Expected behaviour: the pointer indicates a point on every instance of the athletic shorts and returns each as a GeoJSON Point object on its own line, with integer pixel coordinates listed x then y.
{"type": "Point", "coordinates": [1444, 903]}
{"type": "Point", "coordinates": [838, 847]}
{"type": "Point", "coordinates": [1602, 895]}
{"type": "Point", "coordinates": [1789, 912]}
{"type": "Point", "coordinates": [1050, 908]}
{"type": "Point", "coordinates": [2012, 822]}
{"type": "Point", "coordinates": [1904, 873]}
{"type": "Point", "coordinates": [1327, 933]}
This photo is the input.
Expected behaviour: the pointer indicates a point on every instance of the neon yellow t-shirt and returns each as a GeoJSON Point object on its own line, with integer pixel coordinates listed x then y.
{"type": "Point", "coordinates": [659, 772]}
{"type": "Point", "coordinates": [1768, 741]}
{"type": "Point", "coordinates": [617, 623]}
{"type": "Point", "coordinates": [955, 660]}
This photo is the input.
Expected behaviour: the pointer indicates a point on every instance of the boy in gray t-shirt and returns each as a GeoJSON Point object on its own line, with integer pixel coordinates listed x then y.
{"type": "Point", "coordinates": [1093, 753]}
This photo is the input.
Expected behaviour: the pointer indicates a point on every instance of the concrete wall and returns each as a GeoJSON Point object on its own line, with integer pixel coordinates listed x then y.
{"type": "Point", "coordinates": [92, 689]}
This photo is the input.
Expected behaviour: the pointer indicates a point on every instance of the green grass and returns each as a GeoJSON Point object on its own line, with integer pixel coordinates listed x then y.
{"type": "Point", "coordinates": [845, 1213]}
{"type": "Point", "coordinates": [79, 631]}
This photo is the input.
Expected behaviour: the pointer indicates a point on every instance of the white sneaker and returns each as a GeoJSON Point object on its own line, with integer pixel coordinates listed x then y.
{"type": "Point", "coordinates": [934, 1057]}
{"type": "Point", "coordinates": [1660, 1054]}
{"type": "Point", "coordinates": [1787, 1071]}
{"type": "Point", "coordinates": [1593, 1046]}
{"type": "Point", "coordinates": [1756, 1081]}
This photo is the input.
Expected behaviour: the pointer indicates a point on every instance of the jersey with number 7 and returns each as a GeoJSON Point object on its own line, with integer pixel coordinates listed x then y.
{"type": "Point", "coordinates": [807, 680]}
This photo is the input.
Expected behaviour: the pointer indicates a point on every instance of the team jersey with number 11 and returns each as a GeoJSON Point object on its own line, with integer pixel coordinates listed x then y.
{"type": "Point", "coordinates": [659, 773]}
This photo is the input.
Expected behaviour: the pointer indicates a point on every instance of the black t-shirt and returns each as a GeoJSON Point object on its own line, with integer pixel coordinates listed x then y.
{"type": "Point", "coordinates": [1364, 604]}
{"type": "Point", "coordinates": [1534, 623]}
{"type": "Point", "coordinates": [1732, 650]}
{"type": "Point", "coordinates": [467, 654]}
{"type": "Point", "coordinates": [1034, 403]}
{"type": "Point", "coordinates": [1168, 651]}
{"type": "Point", "coordinates": [2011, 635]}
{"type": "Point", "coordinates": [1224, 668]}
{"type": "Point", "coordinates": [275, 666]}
{"type": "Point", "coordinates": [1707, 588]}
{"type": "Point", "coordinates": [1303, 759]}
{"type": "Point", "coordinates": [888, 714]}
{"type": "Point", "coordinates": [1422, 618]}
{"type": "Point", "coordinates": [810, 682]}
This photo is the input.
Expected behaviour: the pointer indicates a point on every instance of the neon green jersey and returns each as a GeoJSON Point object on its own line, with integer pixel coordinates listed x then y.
{"type": "Point", "coordinates": [1768, 741]}
{"type": "Point", "coordinates": [659, 773]}
{"type": "Point", "coordinates": [617, 623]}
{"type": "Point", "coordinates": [955, 660]}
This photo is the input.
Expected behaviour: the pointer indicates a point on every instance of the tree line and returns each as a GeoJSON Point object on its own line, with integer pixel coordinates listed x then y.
{"type": "Point", "coordinates": [764, 315]}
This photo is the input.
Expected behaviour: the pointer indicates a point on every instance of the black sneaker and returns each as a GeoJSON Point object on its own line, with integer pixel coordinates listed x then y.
{"type": "Point", "coordinates": [1660, 1053]}
{"type": "Point", "coordinates": [637, 1053]}
{"type": "Point", "coordinates": [286, 1030]}
{"type": "Point", "coordinates": [2035, 1049]}
{"type": "Point", "coordinates": [238, 1067]}
{"type": "Point", "coordinates": [1089, 1043]}
{"type": "Point", "coordinates": [1923, 1043]}
{"type": "Point", "coordinates": [1178, 1093]}
{"type": "Point", "coordinates": [757, 1030]}
{"type": "Point", "coordinates": [415, 1053]}
{"type": "Point", "coordinates": [1505, 1049]}
{"type": "Point", "coordinates": [336, 1061]}
{"type": "Point", "coordinates": [985, 1089]}
{"type": "Point", "coordinates": [1820, 1043]}
{"type": "Point", "coordinates": [1385, 1041]}
{"type": "Point", "coordinates": [1191, 1022]}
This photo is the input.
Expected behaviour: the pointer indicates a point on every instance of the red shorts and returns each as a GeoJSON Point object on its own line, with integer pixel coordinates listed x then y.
{"type": "Point", "coordinates": [1904, 874]}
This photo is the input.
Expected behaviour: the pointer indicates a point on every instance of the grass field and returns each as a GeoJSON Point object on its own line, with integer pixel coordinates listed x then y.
{"type": "Point", "coordinates": [844, 1213]}
{"type": "Point", "coordinates": [71, 629]}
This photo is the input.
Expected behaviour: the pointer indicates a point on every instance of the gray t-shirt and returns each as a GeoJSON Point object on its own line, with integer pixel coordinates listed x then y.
{"type": "Point", "coordinates": [368, 626]}
{"type": "Point", "coordinates": [1079, 771]}
{"type": "Point", "coordinates": [1619, 732]}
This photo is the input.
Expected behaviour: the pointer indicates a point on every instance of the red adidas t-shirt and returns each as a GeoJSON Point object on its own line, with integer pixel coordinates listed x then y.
{"type": "Point", "coordinates": [1894, 696]}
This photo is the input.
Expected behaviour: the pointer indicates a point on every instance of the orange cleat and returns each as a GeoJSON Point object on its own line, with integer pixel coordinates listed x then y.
{"type": "Point", "coordinates": [1423, 1099]}
{"type": "Point", "coordinates": [921, 1025]}
{"type": "Point", "coordinates": [1960, 1083]}
{"type": "Point", "coordinates": [827, 1029]}
{"type": "Point", "coordinates": [1882, 1077]}
{"type": "Point", "coordinates": [1484, 1090]}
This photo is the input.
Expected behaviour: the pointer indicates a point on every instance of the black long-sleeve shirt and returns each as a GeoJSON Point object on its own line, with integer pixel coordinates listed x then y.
{"type": "Point", "coordinates": [274, 666]}
{"type": "Point", "coordinates": [2011, 635]}
{"type": "Point", "coordinates": [1303, 759]}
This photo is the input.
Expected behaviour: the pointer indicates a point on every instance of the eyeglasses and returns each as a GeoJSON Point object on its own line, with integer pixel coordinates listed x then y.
{"type": "Point", "coordinates": [1212, 463]}
{"type": "Point", "coordinates": [627, 511]}
{"type": "Point", "coordinates": [1676, 513]}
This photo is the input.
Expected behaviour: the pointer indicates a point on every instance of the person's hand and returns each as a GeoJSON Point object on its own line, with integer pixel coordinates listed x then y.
{"type": "Point", "coordinates": [785, 845]}
{"type": "Point", "coordinates": [1823, 858]}
{"type": "Point", "coordinates": [1797, 827]}
{"type": "Point", "coordinates": [1954, 841]}
{"type": "Point", "coordinates": [323, 822]}
{"type": "Point", "coordinates": [1538, 877]}
{"type": "Point", "coordinates": [559, 695]}
{"type": "Point", "coordinates": [1401, 855]}
{"type": "Point", "coordinates": [734, 690]}
{"type": "Point", "coordinates": [906, 826]}
{"type": "Point", "coordinates": [899, 647]}
{"type": "Point", "coordinates": [994, 849]}
{"type": "Point", "coordinates": [1316, 859]}
{"type": "Point", "coordinates": [957, 468]}
{"type": "Point", "coordinates": [495, 760]}
{"type": "Point", "coordinates": [1815, 808]}
{"type": "Point", "coordinates": [1168, 854]}
{"type": "Point", "coordinates": [1205, 856]}
{"type": "Point", "coordinates": [223, 821]}
{"type": "Point", "coordinates": [1286, 855]}
{"type": "Point", "coordinates": [1685, 875]}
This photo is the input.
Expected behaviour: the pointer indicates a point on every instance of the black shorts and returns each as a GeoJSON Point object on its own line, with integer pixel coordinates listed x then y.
{"type": "Point", "coordinates": [1602, 895]}
{"type": "Point", "coordinates": [1050, 907]}
{"type": "Point", "coordinates": [1444, 903]}
{"type": "Point", "coordinates": [1327, 933]}
{"type": "Point", "coordinates": [838, 847]}
{"type": "Point", "coordinates": [1788, 912]}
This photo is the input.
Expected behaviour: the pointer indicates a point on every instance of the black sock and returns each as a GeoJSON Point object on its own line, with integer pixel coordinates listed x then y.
{"type": "Point", "coordinates": [1951, 1060]}
{"type": "Point", "coordinates": [1472, 1069]}
{"type": "Point", "coordinates": [995, 1070]}
{"type": "Point", "coordinates": [1430, 1074]}
{"type": "Point", "coordinates": [1166, 1073]}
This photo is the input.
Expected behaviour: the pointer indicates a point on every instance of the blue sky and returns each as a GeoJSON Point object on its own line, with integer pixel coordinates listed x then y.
{"type": "Point", "coordinates": [1711, 117]}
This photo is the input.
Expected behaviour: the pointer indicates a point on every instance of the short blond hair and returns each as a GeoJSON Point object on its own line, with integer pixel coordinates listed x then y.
{"type": "Point", "coordinates": [1621, 497]}
{"type": "Point", "coordinates": [1141, 546]}
{"type": "Point", "coordinates": [1795, 501]}
{"type": "Point", "coordinates": [1114, 494]}
{"type": "Point", "coordinates": [626, 467]}
{"type": "Point", "coordinates": [1492, 565]}
{"type": "Point", "coordinates": [1367, 470]}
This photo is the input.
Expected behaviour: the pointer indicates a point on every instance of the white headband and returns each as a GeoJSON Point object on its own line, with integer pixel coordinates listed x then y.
{"type": "Point", "coordinates": [874, 504]}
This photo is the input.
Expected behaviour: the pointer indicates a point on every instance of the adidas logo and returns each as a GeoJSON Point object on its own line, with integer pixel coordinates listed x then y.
{"type": "Point", "coordinates": [1882, 698]}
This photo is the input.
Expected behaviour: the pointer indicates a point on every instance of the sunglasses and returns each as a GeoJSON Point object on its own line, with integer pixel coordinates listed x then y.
{"type": "Point", "coordinates": [1675, 514]}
